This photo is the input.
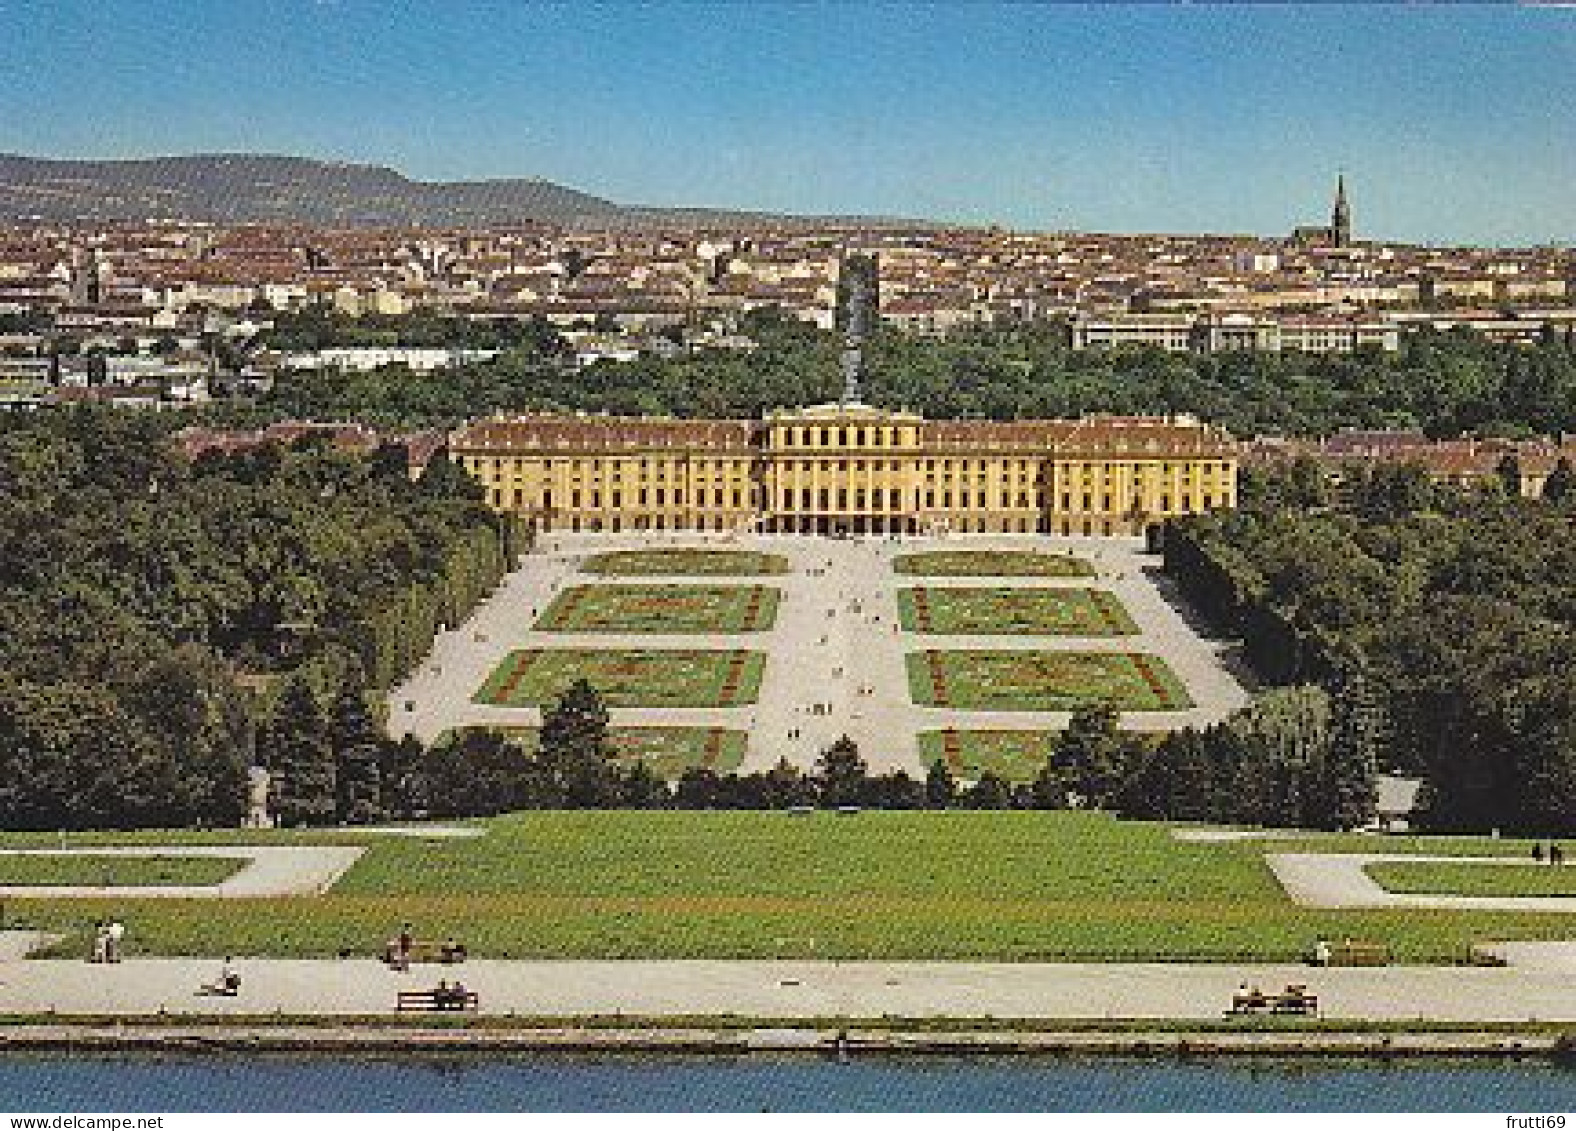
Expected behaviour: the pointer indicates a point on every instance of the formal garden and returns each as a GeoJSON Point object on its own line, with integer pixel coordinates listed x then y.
{"type": "Point", "coordinates": [1014, 612]}
{"type": "Point", "coordinates": [627, 677]}
{"type": "Point", "coordinates": [662, 608]}
{"type": "Point", "coordinates": [1025, 680]}
{"type": "Point", "coordinates": [666, 751]}
{"type": "Point", "coordinates": [990, 563]}
{"type": "Point", "coordinates": [685, 562]}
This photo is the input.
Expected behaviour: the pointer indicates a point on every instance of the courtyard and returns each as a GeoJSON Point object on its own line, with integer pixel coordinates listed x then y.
{"type": "Point", "coordinates": [825, 641]}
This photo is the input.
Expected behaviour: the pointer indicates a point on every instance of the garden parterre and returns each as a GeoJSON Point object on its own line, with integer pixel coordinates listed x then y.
{"type": "Point", "coordinates": [685, 562]}
{"type": "Point", "coordinates": [1018, 680]}
{"type": "Point", "coordinates": [661, 608]}
{"type": "Point", "coordinates": [990, 563]}
{"type": "Point", "coordinates": [666, 751]}
{"type": "Point", "coordinates": [1013, 612]}
{"type": "Point", "coordinates": [627, 677]}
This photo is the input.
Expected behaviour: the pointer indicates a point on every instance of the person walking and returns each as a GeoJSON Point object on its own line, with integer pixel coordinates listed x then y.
{"type": "Point", "coordinates": [114, 937]}
{"type": "Point", "coordinates": [100, 942]}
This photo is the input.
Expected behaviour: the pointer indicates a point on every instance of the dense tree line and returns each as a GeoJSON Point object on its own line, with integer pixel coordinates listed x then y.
{"type": "Point", "coordinates": [1452, 608]}
{"type": "Point", "coordinates": [1446, 384]}
{"type": "Point", "coordinates": [163, 623]}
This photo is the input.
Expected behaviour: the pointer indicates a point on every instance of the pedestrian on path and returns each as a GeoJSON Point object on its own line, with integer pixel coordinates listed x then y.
{"type": "Point", "coordinates": [100, 942]}
{"type": "Point", "coordinates": [114, 938]}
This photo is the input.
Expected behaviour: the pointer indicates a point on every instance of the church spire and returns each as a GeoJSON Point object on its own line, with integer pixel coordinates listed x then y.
{"type": "Point", "coordinates": [1341, 215]}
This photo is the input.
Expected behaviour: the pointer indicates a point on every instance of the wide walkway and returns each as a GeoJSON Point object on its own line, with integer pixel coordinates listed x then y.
{"type": "Point", "coordinates": [836, 642]}
{"type": "Point", "coordinates": [1544, 991]}
{"type": "Point", "coordinates": [1341, 880]}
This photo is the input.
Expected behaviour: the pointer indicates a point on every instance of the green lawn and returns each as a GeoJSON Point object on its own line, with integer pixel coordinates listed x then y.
{"type": "Point", "coordinates": [627, 677]}
{"type": "Point", "coordinates": [686, 563]}
{"type": "Point", "coordinates": [912, 885]}
{"type": "Point", "coordinates": [1029, 680]}
{"type": "Point", "coordinates": [662, 608]}
{"type": "Point", "coordinates": [666, 751]}
{"type": "Point", "coordinates": [1013, 612]}
{"type": "Point", "coordinates": [1474, 879]}
{"type": "Point", "coordinates": [990, 563]}
{"type": "Point", "coordinates": [116, 871]}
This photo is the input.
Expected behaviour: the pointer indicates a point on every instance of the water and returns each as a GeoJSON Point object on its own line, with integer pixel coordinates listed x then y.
{"type": "Point", "coordinates": [142, 1083]}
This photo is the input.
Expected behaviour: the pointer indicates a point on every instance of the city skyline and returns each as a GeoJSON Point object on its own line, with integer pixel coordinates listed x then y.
{"type": "Point", "coordinates": [1215, 119]}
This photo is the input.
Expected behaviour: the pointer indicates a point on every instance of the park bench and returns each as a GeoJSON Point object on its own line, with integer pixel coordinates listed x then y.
{"type": "Point", "coordinates": [437, 1001]}
{"type": "Point", "coordinates": [424, 950]}
{"type": "Point", "coordinates": [1351, 953]}
{"type": "Point", "coordinates": [1292, 1000]}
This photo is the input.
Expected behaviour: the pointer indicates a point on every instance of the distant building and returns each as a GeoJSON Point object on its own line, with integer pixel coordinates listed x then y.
{"type": "Point", "coordinates": [1338, 233]}
{"type": "Point", "coordinates": [1223, 333]}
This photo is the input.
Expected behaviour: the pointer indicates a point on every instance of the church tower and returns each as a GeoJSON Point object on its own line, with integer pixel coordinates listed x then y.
{"type": "Point", "coordinates": [1341, 216]}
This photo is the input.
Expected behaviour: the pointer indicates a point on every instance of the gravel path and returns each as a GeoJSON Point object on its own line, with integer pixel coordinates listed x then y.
{"type": "Point", "coordinates": [835, 635]}
{"type": "Point", "coordinates": [268, 871]}
{"type": "Point", "coordinates": [789, 989]}
{"type": "Point", "coordinates": [1341, 880]}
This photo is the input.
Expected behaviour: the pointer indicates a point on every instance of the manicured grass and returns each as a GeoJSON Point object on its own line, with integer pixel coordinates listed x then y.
{"type": "Point", "coordinates": [1043, 681]}
{"type": "Point", "coordinates": [662, 608]}
{"type": "Point", "coordinates": [686, 563]}
{"type": "Point", "coordinates": [1474, 879]}
{"type": "Point", "coordinates": [912, 885]}
{"type": "Point", "coordinates": [116, 871]}
{"type": "Point", "coordinates": [1014, 612]}
{"type": "Point", "coordinates": [627, 677]}
{"type": "Point", "coordinates": [990, 563]}
{"type": "Point", "coordinates": [666, 751]}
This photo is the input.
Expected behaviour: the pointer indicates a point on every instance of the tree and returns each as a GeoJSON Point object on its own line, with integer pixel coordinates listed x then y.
{"type": "Point", "coordinates": [1508, 472]}
{"type": "Point", "coordinates": [575, 750]}
{"type": "Point", "coordinates": [298, 751]}
{"type": "Point", "coordinates": [1560, 486]}
{"type": "Point", "coordinates": [941, 788]}
{"type": "Point", "coordinates": [1348, 796]}
{"type": "Point", "coordinates": [1089, 753]}
{"type": "Point", "coordinates": [787, 786]}
{"type": "Point", "coordinates": [843, 774]}
{"type": "Point", "coordinates": [358, 750]}
{"type": "Point", "coordinates": [989, 792]}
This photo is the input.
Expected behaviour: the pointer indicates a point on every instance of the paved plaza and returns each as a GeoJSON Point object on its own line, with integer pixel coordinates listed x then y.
{"type": "Point", "coordinates": [836, 653]}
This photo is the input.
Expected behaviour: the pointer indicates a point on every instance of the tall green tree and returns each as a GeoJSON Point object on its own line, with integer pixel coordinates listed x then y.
{"type": "Point", "coordinates": [297, 749]}
{"type": "Point", "coordinates": [575, 749]}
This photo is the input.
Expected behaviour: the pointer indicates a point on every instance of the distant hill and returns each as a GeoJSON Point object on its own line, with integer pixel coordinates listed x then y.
{"type": "Point", "coordinates": [263, 188]}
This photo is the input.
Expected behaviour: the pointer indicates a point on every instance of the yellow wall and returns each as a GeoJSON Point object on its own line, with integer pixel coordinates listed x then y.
{"type": "Point", "coordinates": [857, 470]}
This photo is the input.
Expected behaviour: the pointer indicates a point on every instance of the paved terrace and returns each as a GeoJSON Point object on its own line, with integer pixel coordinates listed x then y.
{"type": "Point", "coordinates": [1542, 988]}
{"type": "Point", "coordinates": [864, 646]}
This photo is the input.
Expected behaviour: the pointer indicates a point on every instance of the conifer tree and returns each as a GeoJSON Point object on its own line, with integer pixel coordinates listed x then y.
{"type": "Point", "coordinates": [575, 750]}
{"type": "Point", "coordinates": [1349, 796]}
{"type": "Point", "coordinates": [298, 751]}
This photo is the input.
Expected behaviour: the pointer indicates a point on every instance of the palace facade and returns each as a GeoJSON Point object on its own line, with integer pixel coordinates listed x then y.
{"type": "Point", "coordinates": [848, 468]}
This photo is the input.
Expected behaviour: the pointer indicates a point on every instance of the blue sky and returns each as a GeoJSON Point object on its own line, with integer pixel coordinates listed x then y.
{"type": "Point", "coordinates": [1452, 123]}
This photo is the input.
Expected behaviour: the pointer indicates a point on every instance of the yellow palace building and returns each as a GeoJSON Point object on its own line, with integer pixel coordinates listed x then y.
{"type": "Point", "coordinates": [847, 468]}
